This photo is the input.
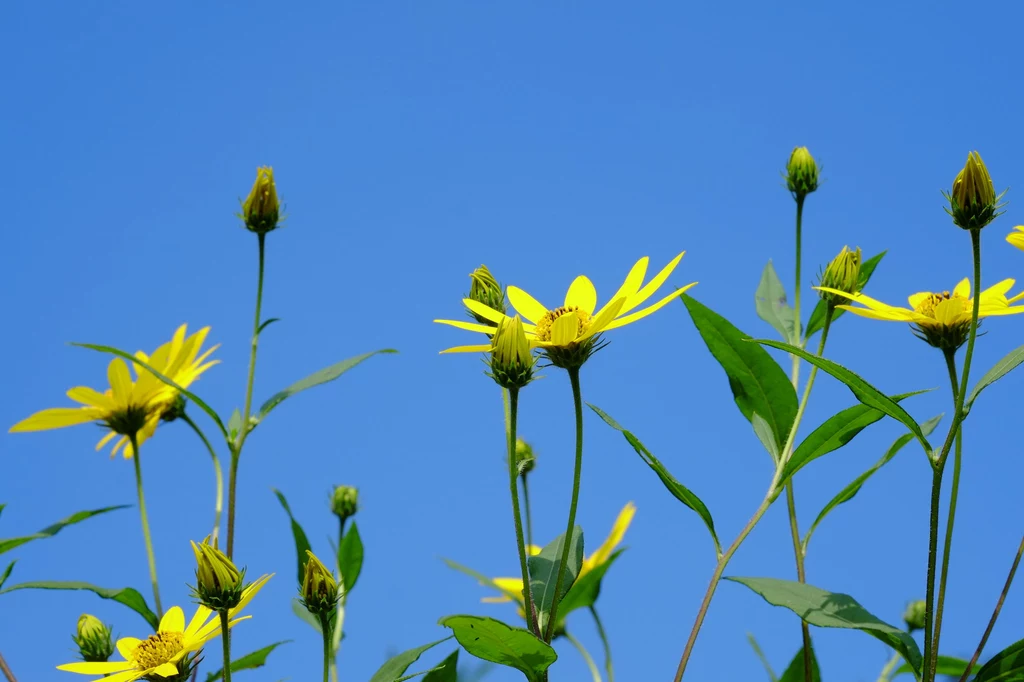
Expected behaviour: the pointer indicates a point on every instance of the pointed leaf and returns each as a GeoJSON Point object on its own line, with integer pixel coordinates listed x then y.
{"type": "Point", "coordinates": [587, 589]}
{"type": "Point", "coordinates": [350, 557]}
{"type": "Point", "coordinates": [497, 642]}
{"type": "Point", "coordinates": [7, 573]}
{"type": "Point", "coordinates": [678, 490]}
{"type": "Point", "coordinates": [772, 307]}
{"type": "Point", "coordinates": [315, 379]}
{"type": "Point", "coordinates": [945, 665]}
{"type": "Point", "coordinates": [797, 671]}
{"type": "Point", "coordinates": [1010, 362]}
{"type": "Point", "coordinates": [758, 384]}
{"type": "Point", "coordinates": [447, 672]}
{"type": "Point", "coordinates": [832, 610]}
{"type": "Point", "coordinates": [1006, 666]}
{"type": "Point", "coordinates": [862, 390]}
{"type": "Point", "coordinates": [817, 319]}
{"type": "Point", "coordinates": [251, 661]}
{"type": "Point", "coordinates": [234, 425]}
{"type": "Point", "coordinates": [763, 431]}
{"type": "Point", "coordinates": [396, 666]}
{"type": "Point", "coordinates": [301, 541]}
{"type": "Point", "coordinates": [127, 596]}
{"type": "Point", "coordinates": [267, 323]}
{"type": "Point", "coordinates": [544, 569]}
{"type": "Point", "coordinates": [48, 532]}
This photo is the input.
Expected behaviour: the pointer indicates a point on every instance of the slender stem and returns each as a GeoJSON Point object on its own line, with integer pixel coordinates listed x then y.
{"type": "Point", "coordinates": [605, 643]}
{"type": "Point", "coordinates": [574, 379]}
{"type": "Point", "coordinates": [225, 635]}
{"type": "Point", "coordinates": [890, 666]}
{"type": "Point", "coordinates": [236, 450]}
{"type": "Point", "coordinates": [801, 577]}
{"type": "Point", "coordinates": [325, 627]}
{"type": "Point", "coordinates": [339, 618]}
{"type": "Point", "coordinates": [951, 517]}
{"type": "Point", "coordinates": [796, 292]}
{"type": "Point", "coordinates": [930, 653]}
{"type": "Point", "coordinates": [5, 669]}
{"type": "Point", "coordinates": [594, 672]}
{"type": "Point", "coordinates": [769, 498]}
{"type": "Point", "coordinates": [218, 506]}
{"type": "Point", "coordinates": [513, 484]}
{"type": "Point", "coordinates": [995, 612]}
{"type": "Point", "coordinates": [136, 458]}
{"type": "Point", "coordinates": [526, 510]}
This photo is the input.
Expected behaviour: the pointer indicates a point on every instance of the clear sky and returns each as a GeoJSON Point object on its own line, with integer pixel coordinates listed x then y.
{"type": "Point", "coordinates": [414, 141]}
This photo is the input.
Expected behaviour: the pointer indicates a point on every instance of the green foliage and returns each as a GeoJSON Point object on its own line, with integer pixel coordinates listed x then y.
{"type": "Point", "coordinates": [945, 665]}
{"type": "Point", "coordinates": [301, 541]}
{"type": "Point", "coordinates": [770, 303]}
{"type": "Point", "coordinates": [797, 670]}
{"type": "Point", "coordinates": [447, 671]}
{"type": "Point", "coordinates": [544, 568]}
{"type": "Point", "coordinates": [51, 530]}
{"type": "Point", "coordinates": [497, 642]}
{"type": "Point", "coordinates": [587, 589]}
{"type": "Point", "coordinates": [1006, 365]}
{"type": "Point", "coordinates": [395, 667]}
{"type": "Point", "coordinates": [350, 557]}
{"type": "Point", "coordinates": [251, 661]}
{"type": "Point", "coordinates": [126, 595]}
{"type": "Point", "coordinates": [1006, 666]}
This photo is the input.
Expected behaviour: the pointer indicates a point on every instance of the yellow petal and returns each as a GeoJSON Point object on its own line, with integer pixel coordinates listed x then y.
{"type": "Point", "coordinates": [165, 670]}
{"type": "Point", "coordinates": [126, 676]}
{"type": "Point", "coordinates": [468, 326]}
{"type": "Point", "coordinates": [640, 314]}
{"type": "Point", "coordinates": [565, 330]}
{"type": "Point", "coordinates": [126, 647]}
{"type": "Point", "coordinates": [91, 397]}
{"type": "Point", "coordinates": [483, 311]}
{"type": "Point", "coordinates": [96, 668]}
{"type": "Point", "coordinates": [1001, 311]}
{"type": "Point", "coordinates": [173, 620]}
{"type": "Point", "coordinates": [582, 294]}
{"type": "Point", "coordinates": [1016, 238]}
{"type": "Point", "coordinates": [618, 531]}
{"type": "Point", "coordinates": [892, 315]}
{"type": "Point", "coordinates": [527, 306]}
{"type": "Point", "coordinates": [602, 321]}
{"type": "Point", "coordinates": [55, 418]}
{"type": "Point", "coordinates": [915, 300]}
{"type": "Point", "coordinates": [963, 288]}
{"type": "Point", "coordinates": [200, 617]}
{"type": "Point", "coordinates": [533, 550]}
{"type": "Point", "coordinates": [249, 592]}
{"type": "Point", "coordinates": [105, 440]}
{"type": "Point", "coordinates": [632, 283]}
{"type": "Point", "coordinates": [997, 290]}
{"type": "Point", "coordinates": [648, 290]}
{"type": "Point", "coordinates": [503, 599]}
{"type": "Point", "coordinates": [120, 381]}
{"type": "Point", "coordinates": [483, 348]}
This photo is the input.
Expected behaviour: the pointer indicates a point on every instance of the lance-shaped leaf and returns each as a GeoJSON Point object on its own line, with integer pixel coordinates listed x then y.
{"type": "Point", "coordinates": [817, 319]}
{"type": "Point", "coordinates": [1007, 364]}
{"type": "Point", "coordinates": [796, 672]}
{"type": "Point", "coordinates": [447, 671]}
{"type": "Point", "coordinates": [301, 541]}
{"type": "Point", "coordinates": [544, 568]}
{"type": "Point", "coordinates": [771, 305]}
{"type": "Point", "coordinates": [497, 642]}
{"type": "Point", "coordinates": [1006, 666]}
{"type": "Point", "coordinates": [350, 557]}
{"type": "Point", "coordinates": [51, 530]}
{"type": "Point", "coordinates": [587, 588]}
{"type": "Point", "coordinates": [251, 661]}
{"type": "Point", "coordinates": [945, 665]}
{"type": "Point", "coordinates": [127, 596]}
{"type": "Point", "coordinates": [396, 666]}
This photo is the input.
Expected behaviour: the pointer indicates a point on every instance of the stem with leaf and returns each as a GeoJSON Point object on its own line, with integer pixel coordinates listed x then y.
{"type": "Point", "coordinates": [605, 643]}
{"type": "Point", "coordinates": [218, 474]}
{"type": "Point", "coordinates": [513, 482]}
{"type": "Point", "coordinates": [147, 536]}
{"type": "Point", "coordinates": [594, 672]}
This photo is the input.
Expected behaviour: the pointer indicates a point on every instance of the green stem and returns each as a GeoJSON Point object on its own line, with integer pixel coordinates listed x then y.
{"type": "Point", "coordinates": [594, 672]}
{"type": "Point", "coordinates": [8, 673]}
{"type": "Point", "coordinates": [236, 450]}
{"type": "Point", "coordinates": [577, 399]}
{"type": "Point", "coordinates": [325, 627]}
{"type": "Point", "coordinates": [890, 666]}
{"type": "Point", "coordinates": [769, 498]}
{"type": "Point", "coordinates": [225, 635]}
{"type": "Point", "coordinates": [513, 483]}
{"type": "Point", "coordinates": [136, 458]}
{"type": "Point", "coordinates": [939, 463]}
{"type": "Point", "coordinates": [339, 619]}
{"type": "Point", "coordinates": [526, 510]}
{"type": "Point", "coordinates": [218, 506]}
{"type": "Point", "coordinates": [796, 293]}
{"type": "Point", "coordinates": [605, 643]}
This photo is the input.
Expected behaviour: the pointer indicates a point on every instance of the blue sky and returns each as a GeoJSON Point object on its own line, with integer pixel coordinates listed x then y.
{"type": "Point", "coordinates": [414, 141]}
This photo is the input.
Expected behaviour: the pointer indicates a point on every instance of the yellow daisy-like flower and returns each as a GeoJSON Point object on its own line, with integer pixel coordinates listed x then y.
{"type": "Point", "coordinates": [160, 654]}
{"type": "Point", "coordinates": [577, 320]}
{"type": "Point", "coordinates": [1017, 237]}
{"type": "Point", "coordinates": [131, 405]}
{"type": "Point", "coordinates": [941, 319]}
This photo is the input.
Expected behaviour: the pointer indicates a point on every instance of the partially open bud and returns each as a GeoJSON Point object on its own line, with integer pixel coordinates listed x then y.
{"type": "Point", "coordinates": [843, 274]}
{"type": "Point", "coordinates": [914, 615]}
{"type": "Point", "coordinates": [801, 173]}
{"type": "Point", "coordinates": [93, 639]}
{"type": "Point", "coordinates": [319, 588]}
{"type": "Point", "coordinates": [344, 502]}
{"type": "Point", "coordinates": [973, 203]}
{"type": "Point", "coordinates": [511, 356]}
{"type": "Point", "coordinates": [483, 288]}
{"type": "Point", "coordinates": [261, 210]}
{"type": "Point", "coordinates": [219, 583]}
{"type": "Point", "coordinates": [525, 459]}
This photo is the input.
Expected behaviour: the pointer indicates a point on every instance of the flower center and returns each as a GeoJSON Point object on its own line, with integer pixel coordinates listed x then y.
{"type": "Point", "coordinates": [158, 649]}
{"type": "Point", "coordinates": [545, 323]}
{"type": "Point", "coordinates": [930, 305]}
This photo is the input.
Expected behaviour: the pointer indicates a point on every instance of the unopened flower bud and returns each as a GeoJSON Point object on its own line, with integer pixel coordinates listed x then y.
{"type": "Point", "coordinates": [219, 583]}
{"type": "Point", "coordinates": [973, 203]}
{"type": "Point", "coordinates": [842, 274]}
{"type": "Point", "coordinates": [93, 639]}
{"type": "Point", "coordinates": [801, 173]}
{"type": "Point", "coordinates": [511, 356]}
{"type": "Point", "coordinates": [261, 210]}
{"type": "Point", "coordinates": [319, 588]}
{"type": "Point", "coordinates": [483, 288]}
{"type": "Point", "coordinates": [344, 502]}
{"type": "Point", "coordinates": [525, 459]}
{"type": "Point", "coordinates": [914, 615]}
{"type": "Point", "coordinates": [175, 409]}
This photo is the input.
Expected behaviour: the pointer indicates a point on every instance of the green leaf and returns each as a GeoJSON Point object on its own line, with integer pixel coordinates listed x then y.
{"type": "Point", "coordinates": [447, 672]}
{"type": "Point", "coordinates": [544, 569]}
{"type": "Point", "coordinates": [127, 596]}
{"type": "Point", "coordinates": [48, 532]}
{"type": "Point", "coordinates": [761, 657]}
{"type": "Point", "coordinates": [251, 661]}
{"type": "Point", "coordinates": [350, 557]}
{"type": "Point", "coordinates": [7, 573]}
{"type": "Point", "coordinates": [587, 589]}
{"type": "Point", "coordinates": [234, 425]}
{"type": "Point", "coordinates": [817, 319]}
{"type": "Point", "coordinates": [678, 490]}
{"type": "Point", "coordinates": [167, 380]}
{"type": "Point", "coordinates": [315, 379]}
{"type": "Point", "coordinates": [945, 665]}
{"type": "Point", "coordinates": [998, 371]}
{"type": "Point", "coordinates": [396, 666]}
{"type": "Point", "coordinates": [1006, 666]}
{"type": "Point", "coordinates": [415, 675]}
{"type": "Point", "coordinates": [832, 610]}
{"type": "Point", "coordinates": [864, 392]}
{"type": "Point", "coordinates": [497, 642]}
{"type": "Point", "coordinates": [483, 579]}
{"type": "Point", "coordinates": [301, 541]}
{"type": "Point", "coordinates": [758, 384]}
{"type": "Point", "coordinates": [763, 431]}
{"type": "Point", "coordinates": [299, 610]}
{"type": "Point", "coordinates": [771, 305]}
{"type": "Point", "coordinates": [796, 672]}
{"type": "Point", "coordinates": [267, 323]}
{"type": "Point", "coordinates": [848, 493]}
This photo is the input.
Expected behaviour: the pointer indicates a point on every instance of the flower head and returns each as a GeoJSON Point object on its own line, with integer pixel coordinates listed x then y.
{"type": "Point", "coordinates": [568, 334]}
{"type": "Point", "coordinates": [801, 173]}
{"type": "Point", "coordinates": [319, 588]}
{"type": "Point", "coordinates": [1016, 237]}
{"type": "Point", "coordinates": [511, 355]}
{"type": "Point", "coordinates": [526, 459]}
{"type": "Point", "coordinates": [344, 502]}
{"type": "Point", "coordinates": [219, 583]}
{"type": "Point", "coordinates": [93, 639]}
{"type": "Point", "coordinates": [842, 273]}
{"type": "Point", "coordinates": [973, 203]}
{"type": "Point", "coordinates": [914, 615]}
{"type": "Point", "coordinates": [941, 319]}
{"type": "Point", "coordinates": [261, 209]}
{"type": "Point", "coordinates": [484, 289]}
{"type": "Point", "coordinates": [131, 405]}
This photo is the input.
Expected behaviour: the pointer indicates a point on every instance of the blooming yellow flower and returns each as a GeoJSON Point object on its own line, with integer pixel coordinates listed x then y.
{"type": "Point", "coordinates": [160, 654]}
{"type": "Point", "coordinates": [942, 319]}
{"type": "Point", "coordinates": [131, 405]}
{"type": "Point", "coordinates": [578, 318]}
{"type": "Point", "coordinates": [1017, 237]}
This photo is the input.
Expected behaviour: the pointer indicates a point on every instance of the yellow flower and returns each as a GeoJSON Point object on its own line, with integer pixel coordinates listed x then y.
{"type": "Point", "coordinates": [131, 405]}
{"type": "Point", "coordinates": [1017, 237]}
{"type": "Point", "coordinates": [161, 654]}
{"type": "Point", "coordinates": [941, 319]}
{"type": "Point", "coordinates": [577, 320]}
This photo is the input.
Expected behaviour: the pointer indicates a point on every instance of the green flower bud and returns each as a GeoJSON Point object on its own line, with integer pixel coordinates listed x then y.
{"type": "Point", "coordinates": [175, 409]}
{"type": "Point", "coordinates": [914, 615]}
{"type": "Point", "coordinates": [219, 583]}
{"type": "Point", "coordinates": [483, 288]}
{"type": "Point", "coordinates": [801, 173]}
{"type": "Point", "coordinates": [525, 459]}
{"type": "Point", "coordinates": [344, 502]}
{"type": "Point", "coordinates": [973, 203]}
{"type": "Point", "coordinates": [511, 355]}
{"type": "Point", "coordinates": [261, 209]}
{"type": "Point", "coordinates": [93, 639]}
{"type": "Point", "coordinates": [319, 588]}
{"type": "Point", "coordinates": [842, 274]}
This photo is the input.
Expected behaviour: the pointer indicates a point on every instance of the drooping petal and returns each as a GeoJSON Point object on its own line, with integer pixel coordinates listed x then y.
{"type": "Point", "coordinates": [484, 311]}
{"type": "Point", "coordinates": [582, 294]}
{"type": "Point", "coordinates": [173, 620]}
{"type": "Point", "coordinates": [527, 306]}
{"type": "Point", "coordinates": [468, 326]}
{"type": "Point", "coordinates": [106, 439]}
{"type": "Point", "coordinates": [648, 290]}
{"type": "Point", "coordinates": [484, 348]}
{"type": "Point", "coordinates": [640, 314]}
{"type": "Point", "coordinates": [56, 418]}
{"type": "Point", "coordinates": [96, 668]}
